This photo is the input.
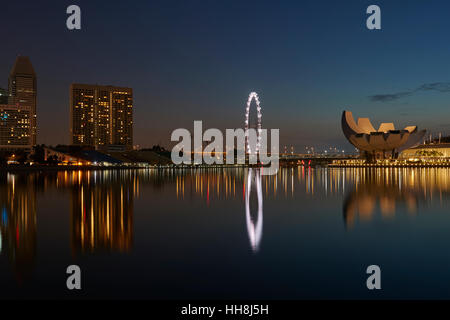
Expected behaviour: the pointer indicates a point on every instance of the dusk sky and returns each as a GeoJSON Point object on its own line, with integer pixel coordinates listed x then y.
{"type": "Point", "coordinates": [199, 60]}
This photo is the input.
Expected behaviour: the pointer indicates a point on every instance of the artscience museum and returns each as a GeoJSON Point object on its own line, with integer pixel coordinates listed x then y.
{"type": "Point", "coordinates": [386, 142]}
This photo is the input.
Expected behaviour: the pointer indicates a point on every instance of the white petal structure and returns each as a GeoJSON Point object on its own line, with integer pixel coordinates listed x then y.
{"type": "Point", "coordinates": [253, 95]}
{"type": "Point", "coordinates": [364, 136]}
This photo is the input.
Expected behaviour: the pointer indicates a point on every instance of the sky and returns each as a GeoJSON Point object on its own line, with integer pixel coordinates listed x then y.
{"type": "Point", "coordinates": [199, 60]}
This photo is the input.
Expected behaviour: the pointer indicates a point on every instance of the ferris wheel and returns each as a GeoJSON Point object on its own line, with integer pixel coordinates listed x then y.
{"type": "Point", "coordinates": [248, 147]}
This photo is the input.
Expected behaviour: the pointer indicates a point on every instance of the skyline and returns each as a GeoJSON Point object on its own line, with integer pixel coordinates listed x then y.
{"type": "Point", "coordinates": [224, 159]}
{"type": "Point", "coordinates": [198, 61]}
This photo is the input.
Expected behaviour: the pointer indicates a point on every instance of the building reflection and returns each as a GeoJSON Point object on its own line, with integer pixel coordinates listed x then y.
{"type": "Point", "coordinates": [362, 203]}
{"type": "Point", "coordinates": [18, 224]}
{"type": "Point", "coordinates": [384, 189]}
{"type": "Point", "coordinates": [102, 202]}
{"type": "Point", "coordinates": [102, 215]}
{"type": "Point", "coordinates": [209, 184]}
{"type": "Point", "coordinates": [254, 221]}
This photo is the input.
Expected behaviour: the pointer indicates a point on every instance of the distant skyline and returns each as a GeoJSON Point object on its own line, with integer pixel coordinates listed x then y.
{"type": "Point", "coordinates": [199, 60]}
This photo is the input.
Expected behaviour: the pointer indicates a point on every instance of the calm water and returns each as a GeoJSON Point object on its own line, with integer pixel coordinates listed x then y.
{"type": "Point", "coordinates": [226, 233]}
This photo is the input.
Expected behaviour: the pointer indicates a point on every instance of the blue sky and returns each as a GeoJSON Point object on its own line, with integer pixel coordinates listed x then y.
{"type": "Point", "coordinates": [199, 60]}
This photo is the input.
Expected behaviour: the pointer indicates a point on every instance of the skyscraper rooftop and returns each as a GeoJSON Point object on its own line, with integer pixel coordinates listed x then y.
{"type": "Point", "coordinates": [22, 66]}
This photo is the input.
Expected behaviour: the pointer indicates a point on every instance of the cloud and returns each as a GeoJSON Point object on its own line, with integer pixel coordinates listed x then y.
{"type": "Point", "coordinates": [389, 97]}
{"type": "Point", "coordinates": [436, 86]}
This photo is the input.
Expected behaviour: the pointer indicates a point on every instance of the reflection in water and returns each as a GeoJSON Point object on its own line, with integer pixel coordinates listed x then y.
{"type": "Point", "coordinates": [102, 216]}
{"type": "Point", "coordinates": [254, 228]}
{"type": "Point", "coordinates": [362, 202]}
{"type": "Point", "coordinates": [18, 224]}
{"type": "Point", "coordinates": [102, 203]}
{"type": "Point", "coordinates": [101, 209]}
{"type": "Point", "coordinates": [385, 189]}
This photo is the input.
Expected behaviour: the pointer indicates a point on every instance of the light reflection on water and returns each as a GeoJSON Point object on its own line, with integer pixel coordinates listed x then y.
{"type": "Point", "coordinates": [102, 207]}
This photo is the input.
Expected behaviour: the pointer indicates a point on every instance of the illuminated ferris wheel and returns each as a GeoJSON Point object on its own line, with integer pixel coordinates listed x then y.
{"type": "Point", "coordinates": [253, 95]}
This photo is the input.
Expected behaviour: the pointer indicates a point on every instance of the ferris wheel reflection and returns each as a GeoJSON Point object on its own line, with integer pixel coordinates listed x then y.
{"type": "Point", "coordinates": [254, 224]}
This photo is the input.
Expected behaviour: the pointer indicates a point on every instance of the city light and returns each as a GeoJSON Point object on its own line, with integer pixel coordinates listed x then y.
{"type": "Point", "coordinates": [253, 95]}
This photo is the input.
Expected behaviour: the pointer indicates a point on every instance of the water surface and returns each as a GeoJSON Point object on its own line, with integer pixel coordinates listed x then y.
{"type": "Point", "coordinates": [226, 233]}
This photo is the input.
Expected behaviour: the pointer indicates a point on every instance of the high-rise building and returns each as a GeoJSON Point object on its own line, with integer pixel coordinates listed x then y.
{"type": "Point", "coordinates": [3, 96]}
{"type": "Point", "coordinates": [22, 89]}
{"type": "Point", "coordinates": [15, 127]}
{"type": "Point", "coordinates": [101, 116]}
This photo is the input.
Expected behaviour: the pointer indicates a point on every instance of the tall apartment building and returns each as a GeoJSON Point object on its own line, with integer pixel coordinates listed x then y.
{"type": "Point", "coordinates": [22, 89]}
{"type": "Point", "coordinates": [101, 116]}
{"type": "Point", "coordinates": [15, 127]}
{"type": "Point", "coordinates": [4, 96]}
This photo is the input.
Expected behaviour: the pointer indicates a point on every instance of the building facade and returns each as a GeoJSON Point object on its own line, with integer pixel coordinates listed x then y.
{"type": "Point", "coordinates": [22, 89]}
{"type": "Point", "coordinates": [4, 96]}
{"type": "Point", "coordinates": [15, 127]}
{"type": "Point", "coordinates": [384, 142]}
{"type": "Point", "coordinates": [101, 116]}
{"type": "Point", "coordinates": [424, 151]}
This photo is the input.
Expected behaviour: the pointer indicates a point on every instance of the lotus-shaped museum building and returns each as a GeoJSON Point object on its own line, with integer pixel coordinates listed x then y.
{"type": "Point", "coordinates": [367, 139]}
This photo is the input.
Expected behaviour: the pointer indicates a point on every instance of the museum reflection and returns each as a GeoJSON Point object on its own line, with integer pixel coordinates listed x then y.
{"type": "Point", "coordinates": [381, 193]}
{"type": "Point", "coordinates": [364, 203]}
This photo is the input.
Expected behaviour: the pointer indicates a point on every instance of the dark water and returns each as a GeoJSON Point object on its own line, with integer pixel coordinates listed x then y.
{"type": "Point", "coordinates": [226, 233]}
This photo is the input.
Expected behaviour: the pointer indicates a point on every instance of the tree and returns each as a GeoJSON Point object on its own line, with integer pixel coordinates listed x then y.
{"type": "Point", "coordinates": [52, 160]}
{"type": "Point", "coordinates": [21, 156]}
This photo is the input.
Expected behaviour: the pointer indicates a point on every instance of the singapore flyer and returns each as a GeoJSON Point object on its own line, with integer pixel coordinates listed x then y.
{"type": "Point", "coordinates": [253, 95]}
